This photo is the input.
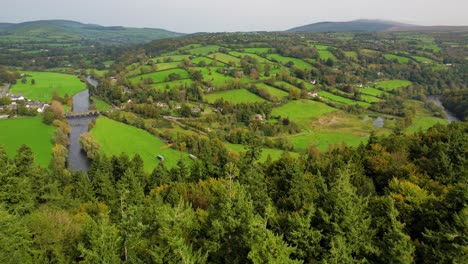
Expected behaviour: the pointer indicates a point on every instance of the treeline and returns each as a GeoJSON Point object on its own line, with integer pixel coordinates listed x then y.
{"type": "Point", "coordinates": [457, 103]}
{"type": "Point", "coordinates": [399, 199]}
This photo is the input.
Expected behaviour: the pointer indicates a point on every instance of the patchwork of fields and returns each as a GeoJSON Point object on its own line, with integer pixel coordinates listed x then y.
{"type": "Point", "coordinates": [221, 69]}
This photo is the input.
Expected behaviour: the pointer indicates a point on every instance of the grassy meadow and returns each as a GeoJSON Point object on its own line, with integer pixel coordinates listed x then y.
{"type": "Point", "coordinates": [115, 138]}
{"type": "Point", "coordinates": [29, 131]}
{"type": "Point", "coordinates": [46, 83]}
{"type": "Point", "coordinates": [391, 85]}
{"type": "Point", "coordinates": [302, 111]}
{"type": "Point", "coordinates": [234, 96]}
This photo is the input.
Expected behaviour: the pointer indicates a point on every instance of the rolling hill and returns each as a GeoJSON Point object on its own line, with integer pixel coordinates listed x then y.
{"type": "Point", "coordinates": [364, 25]}
{"type": "Point", "coordinates": [45, 30]}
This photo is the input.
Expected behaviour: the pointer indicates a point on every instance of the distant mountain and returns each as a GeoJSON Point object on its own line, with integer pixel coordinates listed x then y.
{"type": "Point", "coordinates": [364, 25]}
{"type": "Point", "coordinates": [350, 26]}
{"type": "Point", "coordinates": [64, 30]}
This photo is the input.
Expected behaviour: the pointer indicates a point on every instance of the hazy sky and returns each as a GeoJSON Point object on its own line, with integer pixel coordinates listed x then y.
{"type": "Point", "coordinates": [234, 15]}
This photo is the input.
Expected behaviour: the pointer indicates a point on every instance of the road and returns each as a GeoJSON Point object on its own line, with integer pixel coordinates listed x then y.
{"type": "Point", "coordinates": [5, 90]}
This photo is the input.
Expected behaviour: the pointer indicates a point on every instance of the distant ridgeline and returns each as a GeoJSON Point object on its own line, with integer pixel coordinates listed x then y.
{"type": "Point", "coordinates": [66, 31]}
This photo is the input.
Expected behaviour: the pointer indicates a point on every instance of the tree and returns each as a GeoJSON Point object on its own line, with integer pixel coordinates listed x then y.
{"type": "Point", "coordinates": [15, 240]}
{"type": "Point", "coordinates": [174, 224]}
{"type": "Point", "coordinates": [345, 221]}
{"type": "Point", "coordinates": [57, 108]}
{"type": "Point", "coordinates": [394, 244]}
{"type": "Point", "coordinates": [89, 145]}
{"type": "Point", "coordinates": [101, 243]}
{"type": "Point", "coordinates": [294, 94]}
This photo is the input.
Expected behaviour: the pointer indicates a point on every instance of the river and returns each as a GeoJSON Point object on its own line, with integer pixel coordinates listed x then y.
{"type": "Point", "coordinates": [77, 159]}
{"type": "Point", "coordinates": [436, 99]}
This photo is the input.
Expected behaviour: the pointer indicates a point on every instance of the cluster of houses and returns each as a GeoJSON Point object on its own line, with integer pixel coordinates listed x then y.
{"type": "Point", "coordinates": [17, 100]}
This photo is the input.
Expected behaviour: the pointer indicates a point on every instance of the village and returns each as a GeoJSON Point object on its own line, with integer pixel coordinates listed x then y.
{"type": "Point", "coordinates": [10, 102]}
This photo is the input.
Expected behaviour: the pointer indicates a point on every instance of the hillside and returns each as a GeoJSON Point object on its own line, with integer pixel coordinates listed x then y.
{"type": "Point", "coordinates": [46, 30]}
{"type": "Point", "coordinates": [364, 25]}
{"type": "Point", "coordinates": [349, 26]}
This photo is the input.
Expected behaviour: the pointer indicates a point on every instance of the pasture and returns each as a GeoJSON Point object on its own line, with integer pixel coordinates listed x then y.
{"type": "Point", "coordinates": [285, 60]}
{"type": "Point", "coordinates": [46, 83]}
{"type": "Point", "coordinates": [225, 58]}
{"type": "Point", "coordinates": [204, 50]}
{"type": "Point", "coordinates": [100, 105]}
{"type": "Point", "coordinates": [302, 111]}
{"type": "Point", "coordinates": [422, 59]}
{"type": "Point", "coordinates": [391, 85]}
{"type": "Point", "coordinates": [116, 138]}
{"type": "Point", "coordinates": [399, 59]}
{"type": "Point", "coordinates": [326, 139]}
{"type": "Point", "coordinates": [258, 50]}
{"type": "Point", "coordinates": [341, 99]}
{"type": "Point", "coordinates": [371, 91]}
{"type": "Point", "coordinates": [216, 78]}
{"type": "Point", "coordinates": [170, 58]}
{"type": "Point", "coordinates": [234, 96]}
{"type": "Point", "coordinates": [279, 94]}
{"type": "Point", "coordinates": [29, 131]}
{"type": "Point", "coordinates": [169, 85]}
{"type": "Point", "coordinates": [161, 76]}
{"type": "Point", "coordinates": [325, 55]}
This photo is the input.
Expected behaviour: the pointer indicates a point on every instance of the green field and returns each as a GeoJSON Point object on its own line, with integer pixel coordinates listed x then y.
{"type": "Point", "coordinates": [255, 56]}
{"type": "Point", "coordinates": [115, 138]}
{"type": "Point", "coordinates": [257, 50]}
{"type": "Point", "coordinates": [161, 76]}
{"type": "Point", "coordinates": [234, 96]}
{"type": "Point", "coordinates": [46, 84]}
{"type": "Point", "coordinates": [422, 59]}
{"type": "Point", "coordinates": [207, 61]}
{"type": "Point", "coordinates": [285, 85]}
{"type": "Point", "coordinates": [171, 58]}
{"type": "Point", "coordinates": [216, 78]}
{"type": "Point", "coordinates": [284, 60]}
{"type": "Point", "coordinates": [341, 99]}
{"type": "Point", "coordinates": [274, 154]}
{"type": "Point", "coordinates": [167, 65]}
{"type": "Point", "coordinates": [423, 119]}
{"type": "Point", "coordinates": [423, 123]}
{"type": "Point", "coordinates": [100, 105]}
{"type": "Point", "coordinates": [324, 139]}
{"type": "Point", "coordinates": [204, 50]}
{"type": "Point", "coordinates": [279, 94]}
{"type": "Point", "coordinates": [369, 98]}
{"type": "Point", "coordinates": [325, 55]}
{"type": "Point", "coordinates": [302, 111]}
{"type": "Point", "coordinates": [225, 58]}
{"type": "Point", "coordinates": [400, 59]}
{"type": "Point", "coordinates": [30, 131]}
{"type": "Point", "coordinates": [372, 91]}
{"type": "Point", "coordinates": [164, 85]}
{"type": "Point", "coordinates": [393, 84]}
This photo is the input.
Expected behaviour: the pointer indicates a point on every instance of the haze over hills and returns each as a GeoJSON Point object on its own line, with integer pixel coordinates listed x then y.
{"type": "Point", "coordinates": [45, 30]}
{"type": "Point", "coordinates": [364, 25]}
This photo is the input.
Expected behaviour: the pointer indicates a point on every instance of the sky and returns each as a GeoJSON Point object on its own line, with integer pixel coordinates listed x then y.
{"type": "Point", "coordinates": [190, 16]}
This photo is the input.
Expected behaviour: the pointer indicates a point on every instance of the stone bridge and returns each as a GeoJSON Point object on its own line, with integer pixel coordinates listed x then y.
{"type": "Point", "coordinates": [85, 113]}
